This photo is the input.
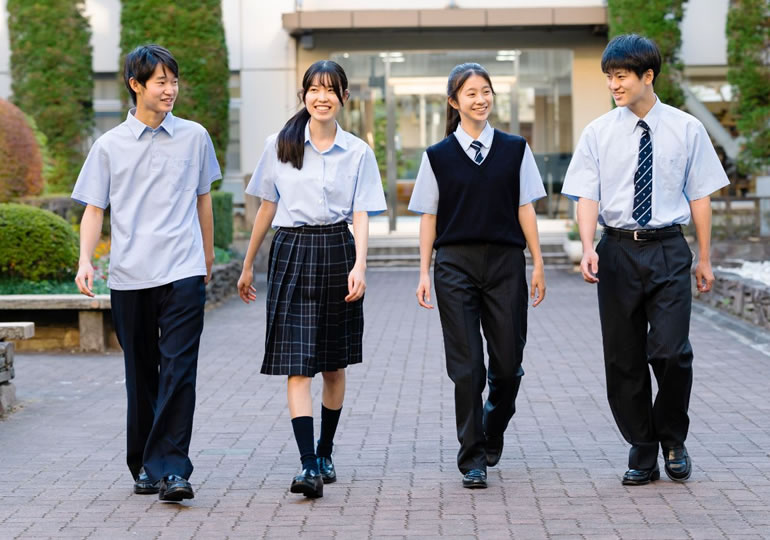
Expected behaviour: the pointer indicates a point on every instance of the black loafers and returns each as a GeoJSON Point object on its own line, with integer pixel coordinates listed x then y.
{"type": "Point", "coordinates": [326, 468]}
{"type": "Point", "coordinates": [640, 477]}
{"type": "Point", "coordinates": [143, 485]}
{"type": "Point", "coordinates": [494, 449]}
{"type": "Point", "coordinates": [174, 488]}
{"type": "Point", "coordinates": [309, 483]}
{"type": "Point", "coordinates": [678, 464]}
{"type": "Point", "coordinates": [475, 479]}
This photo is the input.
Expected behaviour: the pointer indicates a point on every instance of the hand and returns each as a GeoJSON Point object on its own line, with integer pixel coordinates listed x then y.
{"type": "Point", "coordinates": [356, 284]}
{"type": "Point", "coordinates": [423, 292]}
{"type": "Point", "coordinates": [245, 289]}
{"type": "Point", "coordinates": [85, 278]}
{"type": "Point", "coordinates": [589, 266]}
{"type": "Point", "coordinates": [209, 265]}
{"type": "Point", "coordinates": [704, 276]}
{"type": "Point", "coordinates": [537, 289]}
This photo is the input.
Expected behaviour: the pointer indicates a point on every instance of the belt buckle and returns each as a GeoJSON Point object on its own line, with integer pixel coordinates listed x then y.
{"type": "Point", "coordinates": [637, 238]}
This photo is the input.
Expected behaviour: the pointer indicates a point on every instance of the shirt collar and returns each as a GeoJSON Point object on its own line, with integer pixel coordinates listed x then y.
{"type": "Point", "coordinates": [465, 140]}
{"type": "Point", "coordinates": [630, 120]}
{"type": "Point", "coordinates": [340, 138]}
{"type": "Point", "coordinates": [137, 127]}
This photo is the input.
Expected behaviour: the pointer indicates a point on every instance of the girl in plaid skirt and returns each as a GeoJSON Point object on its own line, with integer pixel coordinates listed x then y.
{"type": "Point", "coordinates": [314, 179]}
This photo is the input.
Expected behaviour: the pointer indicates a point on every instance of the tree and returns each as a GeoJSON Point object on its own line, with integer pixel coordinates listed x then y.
{"type": "Point", "coordinates": [20, 158]}
{"type": "Point", "coordinates": [52, 79]}
{"type": "Point", "coordinates": [194, 33]}
{"type": "Point", "coordinates": [748, 55]}
{"type": "Point", "coordinates": [658, 20]}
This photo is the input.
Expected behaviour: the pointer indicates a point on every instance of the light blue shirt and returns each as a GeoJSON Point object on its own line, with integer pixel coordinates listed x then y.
{"type": "Point", "coordinates": [424, 198]}
{"type": "Point", "coordinates": [151, 179]}
{"type": "Point", "coordinates": [685, 166]}
{"type": "Point", "coordinates": [331, 185]}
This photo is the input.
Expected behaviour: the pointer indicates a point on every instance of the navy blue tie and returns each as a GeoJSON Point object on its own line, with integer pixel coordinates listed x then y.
{"type": "Point", "coordinates": [476, 145]}
{"type": "Point", "coordinates": [643, 178]}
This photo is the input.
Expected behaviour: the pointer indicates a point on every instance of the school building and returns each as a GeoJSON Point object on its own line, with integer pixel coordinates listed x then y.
{"type": "Point", "coordinates": [543, 57]}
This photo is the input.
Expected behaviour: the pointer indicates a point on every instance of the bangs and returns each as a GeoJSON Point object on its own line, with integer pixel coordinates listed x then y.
{"type": "Point", "coordinates": [328, 74]}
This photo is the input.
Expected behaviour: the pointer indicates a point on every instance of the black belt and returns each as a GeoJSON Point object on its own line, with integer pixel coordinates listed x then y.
{"type": "Point", "coordinates": [642, 235]}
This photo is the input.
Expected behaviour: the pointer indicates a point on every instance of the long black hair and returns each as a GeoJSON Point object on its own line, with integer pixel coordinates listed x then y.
{"type": "Point", "coordinates": [291, 139]}
{"type": "Point", "coordinates": [457, 78]}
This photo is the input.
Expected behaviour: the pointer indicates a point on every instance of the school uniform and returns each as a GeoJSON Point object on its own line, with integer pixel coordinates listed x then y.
{"type": "Point", "coordinates": [309, 327]}
{"type": "Point", "coordinates": [151, 179]}
{"type": "Point", "coordinates": [644, 172]}
{"type": "Point", "coordinates": [475, 189]}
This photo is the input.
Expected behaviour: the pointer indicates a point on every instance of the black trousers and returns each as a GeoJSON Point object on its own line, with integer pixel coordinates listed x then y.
{"type": "Point", "coordinates": [159, 330]}
{"type": "Point", "coordinates": [644, 306]}
{"type": "Point", "coordinates": [482, 284]}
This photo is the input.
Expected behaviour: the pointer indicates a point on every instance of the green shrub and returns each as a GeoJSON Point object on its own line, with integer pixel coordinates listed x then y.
{"type": "Point", "coordinates": [195, 35]}
{"type": "Point", "coordinates": [748, 43]}
{"type": "Point", "coordinates": [222, 203]}
{"type": "Point", "coordinates": [658, 20]}
{"type": "Point", "coordinates": [20, 160]}
{"type": "Point", "coordinates": [36, 244]}
{"type": "Point", "coordinates": [52, 80]}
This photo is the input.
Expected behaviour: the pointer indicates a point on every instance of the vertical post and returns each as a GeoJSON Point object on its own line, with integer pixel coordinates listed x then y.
{"type": "Point", "coordinates": [515, 128]}
{"type": "Point", "coordinates": [390, 148]}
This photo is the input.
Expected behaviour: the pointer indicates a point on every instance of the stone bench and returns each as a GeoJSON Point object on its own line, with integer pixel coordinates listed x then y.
{"type": "Point", "coordinates": [94, 324]}
{"type": "Point", "coordinates": [8, 332]}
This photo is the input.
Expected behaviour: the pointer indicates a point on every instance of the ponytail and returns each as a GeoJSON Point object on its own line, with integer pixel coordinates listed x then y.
{"type": "Point", "coordinates": [291, 139]}
{"type": "Point", "coordinates": [452, 120]}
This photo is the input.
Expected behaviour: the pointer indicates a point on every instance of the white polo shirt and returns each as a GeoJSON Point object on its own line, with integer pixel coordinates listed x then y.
{"type": "Point", "coordinates": [151, 179]}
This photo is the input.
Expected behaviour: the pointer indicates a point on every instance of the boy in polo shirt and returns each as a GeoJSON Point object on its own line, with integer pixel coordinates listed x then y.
{"type": "Point", "coordinates": [155, 171]}
{"type": "Point", "coordinates": [643, 169]}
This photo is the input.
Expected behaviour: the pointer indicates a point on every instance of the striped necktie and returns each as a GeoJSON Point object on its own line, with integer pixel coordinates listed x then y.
{"type": "Point", "coordinates": [643, 178]}
{"type": "Point", "coordinates": [476, 145]}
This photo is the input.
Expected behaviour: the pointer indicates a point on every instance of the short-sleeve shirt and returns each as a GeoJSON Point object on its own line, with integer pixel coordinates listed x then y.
{"type": "Point", "coordinates": [424, 198]}
{"type": "Point", "coordinates": [151, 179]}
{"type": "Point", "coordinates": [329, 187]}
{"type": "Point", "coordinates": [685, 166]}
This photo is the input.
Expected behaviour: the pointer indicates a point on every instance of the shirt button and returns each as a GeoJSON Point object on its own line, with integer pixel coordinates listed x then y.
{"type": "Point", "coordinates": [320, 201]}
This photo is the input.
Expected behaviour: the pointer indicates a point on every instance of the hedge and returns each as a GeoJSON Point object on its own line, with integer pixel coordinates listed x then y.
{"type": "Point", "coordinates": [222, 203]}
{"type": "Point", "coordinates": [37, 244]}
{"type": "Point", "coordinates": [20, 159]}
{"type": "Point", "coordinates": [658, 20]}
{"type": "Point", "coordinates": [51, 79]}
{"type": "Point", "coordinates": [748, 43]}
{"type": "Point", "coordinates": [195, 35]}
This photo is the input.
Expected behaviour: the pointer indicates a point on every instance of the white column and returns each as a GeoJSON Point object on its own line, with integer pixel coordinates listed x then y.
{"type": "Point", "coordinates": [5, 54]}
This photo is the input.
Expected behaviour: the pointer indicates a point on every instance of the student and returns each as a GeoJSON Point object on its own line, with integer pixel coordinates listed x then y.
{"type": "Point", "coordinates": [314, 179]}
{"type": "Point", "coordinates": [643, 169]}
{"type": "Point", "coordinates": [475, 191]}
{"type": "Point", "coordinates": [155, 171]}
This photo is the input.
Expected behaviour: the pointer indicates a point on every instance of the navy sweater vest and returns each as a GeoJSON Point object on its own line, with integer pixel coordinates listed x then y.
{"type": "Point", "coordinates": [478, 203]}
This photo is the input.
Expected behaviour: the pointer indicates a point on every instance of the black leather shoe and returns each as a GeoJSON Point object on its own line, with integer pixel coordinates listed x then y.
{"type": "Point", "coordinates": [475, 479]}
{"type": "Point", "coordinates": [309, 483]}
{"type": "Point", "coordinates": [494, 449]}
{"type": "Point", "coordinates": [143, 486]}
{"type": "Point", "coordinates": [174, 488]}
{"type": "Point", "coordinates": [640, 477]}
{"type": "Point", "coordinates": [326, 468]}
{"type": "Point", "coordinates": [678, 464]}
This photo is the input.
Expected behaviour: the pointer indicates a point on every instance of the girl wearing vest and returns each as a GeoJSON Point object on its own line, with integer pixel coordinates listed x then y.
{"type": "Point", "coordinates": [475, 191]}
{"type": "Point", "coordinates": [314, 179]}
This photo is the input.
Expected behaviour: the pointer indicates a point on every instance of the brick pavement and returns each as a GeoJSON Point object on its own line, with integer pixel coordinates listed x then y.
{"type": "Point", "coordinates": [62, 472]}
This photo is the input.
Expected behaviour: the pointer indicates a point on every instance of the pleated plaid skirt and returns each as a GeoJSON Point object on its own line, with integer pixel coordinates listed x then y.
{"type": "Point", "coordinates": [310, 328]}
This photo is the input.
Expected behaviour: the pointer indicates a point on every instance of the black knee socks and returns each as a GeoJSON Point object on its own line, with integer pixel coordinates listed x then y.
{"type": "Point", "coordinates": [329, 420]}
{"type": "Point", "coordinates": [303, 433]}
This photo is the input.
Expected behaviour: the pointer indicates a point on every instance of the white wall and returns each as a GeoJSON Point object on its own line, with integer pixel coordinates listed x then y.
{"type": "Point", "coordinates": [703, 33]}
{"type": "Point", "coordinates": [104, 16]}
{"type": "Point", "coordinates": [5, 54]}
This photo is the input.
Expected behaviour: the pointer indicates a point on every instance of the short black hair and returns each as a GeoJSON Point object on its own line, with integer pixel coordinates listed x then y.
{"type": "Point", "coordinates": [632, 52]}
{"type": "Point", "coordinates": [141, 63]}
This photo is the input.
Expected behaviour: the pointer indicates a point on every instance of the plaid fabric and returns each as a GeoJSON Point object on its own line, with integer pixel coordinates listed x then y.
{"type": "Point", "coordinates": [310, 327]}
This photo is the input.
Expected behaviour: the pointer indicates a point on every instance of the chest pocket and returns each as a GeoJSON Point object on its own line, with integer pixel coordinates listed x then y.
{"type": "Point", "coordinates": [670, 171]}
{"type": "Point", "coordinates": [181, 174]}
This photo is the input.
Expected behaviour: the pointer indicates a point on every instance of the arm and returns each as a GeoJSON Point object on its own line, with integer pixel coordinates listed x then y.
{"type": "Point", "coordinates": [357, 277]}
{"type": "Point", "coordinates": [427, 237]}
{"type": "Point", "coordinates": [206, 220]}
{"type": "Point", "coordinates": [701, 218]}
{"type": "Point", "coordinates": [587, 216]}
{"type": "Point", "coordinates": [90, 230]}
{"type": "Point", "coordinates": [528, 222]}
{"type": "Point", "coordinates": [262, 222]}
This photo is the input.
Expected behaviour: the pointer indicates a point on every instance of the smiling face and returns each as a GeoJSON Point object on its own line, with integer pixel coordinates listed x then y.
{"type": "Point", "coordinates": [321, 99]}
{"type": "Point", "coordinates": [627, 89]}
{"type": "Point", "coordinates": [474, 100]}
{"type": "Point", "coordinates": [159, 93]}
